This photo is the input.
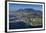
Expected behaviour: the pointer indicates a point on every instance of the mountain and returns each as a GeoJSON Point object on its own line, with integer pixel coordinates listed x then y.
{"type": "Point", "coordinates": [29, 12]}
{"type": "Point", "coordinates": [27, 16]}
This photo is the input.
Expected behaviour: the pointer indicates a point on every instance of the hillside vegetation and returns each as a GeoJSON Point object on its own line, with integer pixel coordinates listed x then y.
{"type": "Point", "coordinates": [28, 16]}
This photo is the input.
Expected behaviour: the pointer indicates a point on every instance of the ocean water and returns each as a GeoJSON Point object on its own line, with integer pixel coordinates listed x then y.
{"type": "Point", "coordinates": [18, 25]}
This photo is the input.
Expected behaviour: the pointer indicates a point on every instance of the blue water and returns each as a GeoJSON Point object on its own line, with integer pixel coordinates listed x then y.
{"type": "Point", "coordinates": [19, 25]}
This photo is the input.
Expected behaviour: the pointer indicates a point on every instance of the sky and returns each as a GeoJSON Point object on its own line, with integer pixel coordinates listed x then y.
{"type": "Point", "coordinates": [14, 6]}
